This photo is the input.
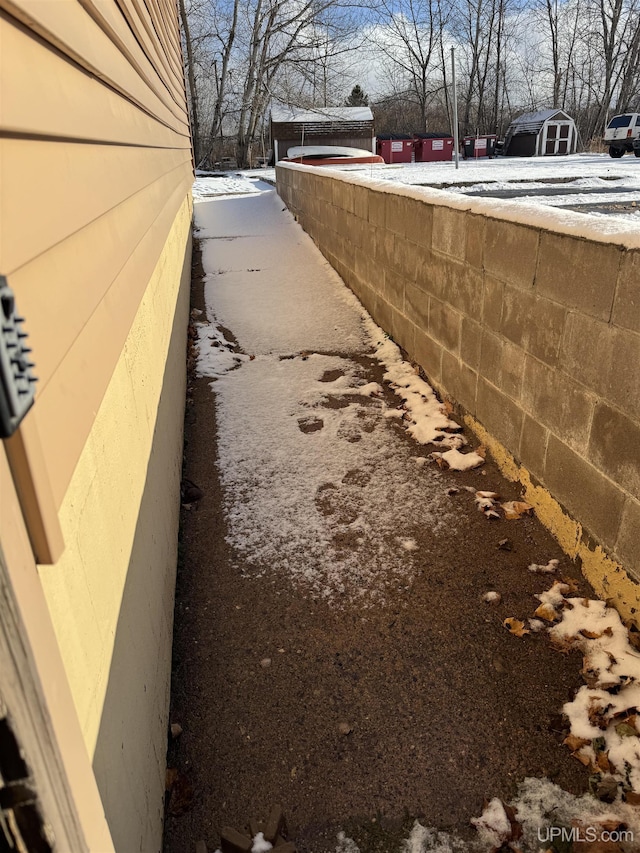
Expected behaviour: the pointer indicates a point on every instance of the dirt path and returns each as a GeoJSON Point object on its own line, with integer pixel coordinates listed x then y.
{"type": "Point", "coordinates": [355, 714]}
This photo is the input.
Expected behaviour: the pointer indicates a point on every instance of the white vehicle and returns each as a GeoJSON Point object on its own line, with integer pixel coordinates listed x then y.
{"type": "Point", "coordinates": [623, 134]}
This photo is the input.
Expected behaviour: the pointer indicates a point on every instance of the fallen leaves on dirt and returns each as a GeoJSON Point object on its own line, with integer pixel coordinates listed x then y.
{"type": "Point", "coordinates": [516, 509]}
{"type": "Point", "coordinates": [603, 719]}
{"type": "Point", "coordinates": [516, 627]}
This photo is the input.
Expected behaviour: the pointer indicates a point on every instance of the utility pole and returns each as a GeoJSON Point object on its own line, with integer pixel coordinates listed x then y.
{"type": "Point", "coordinates": [455, 107]}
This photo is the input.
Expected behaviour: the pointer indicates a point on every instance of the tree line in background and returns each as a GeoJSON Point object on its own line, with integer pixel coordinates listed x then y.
{"type": "Point", "coordinates": [512, 56]}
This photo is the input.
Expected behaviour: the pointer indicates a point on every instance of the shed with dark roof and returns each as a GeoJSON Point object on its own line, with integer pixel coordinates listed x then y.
{"type": "Point", "coordinates": [350, 127]}
{"type": "Point", "coordinates": [546, 132]}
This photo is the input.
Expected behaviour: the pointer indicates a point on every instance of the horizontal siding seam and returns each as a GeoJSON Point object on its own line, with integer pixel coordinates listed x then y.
{"type": "Point", "coordinates": [53, 43]}
{"type": "Point", "coordinates": [159, 177]}
{"type": "Point", "coordinates": [101, 21]}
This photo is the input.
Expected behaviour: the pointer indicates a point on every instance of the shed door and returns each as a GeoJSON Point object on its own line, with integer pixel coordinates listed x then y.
{"type": "Point", "coordinates": [557, 138]}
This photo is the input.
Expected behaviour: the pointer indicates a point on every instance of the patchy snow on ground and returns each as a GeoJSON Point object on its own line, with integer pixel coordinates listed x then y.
{"type": "Point", "coordinates": [209, 185]}
{"type": "Point", "coordinates": [281, 325]}
{"type": "Point", "coordinates": [294, 476]}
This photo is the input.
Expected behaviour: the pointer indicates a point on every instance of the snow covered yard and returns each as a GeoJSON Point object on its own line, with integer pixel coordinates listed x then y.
{"type": "Point", "coordinates": [335, 615]}
{"type": "Point", "coordinates": [592, 184]}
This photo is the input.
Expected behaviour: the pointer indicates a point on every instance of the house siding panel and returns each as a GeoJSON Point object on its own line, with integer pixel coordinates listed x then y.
{"type": "Point", "coordinates": [96, 173]}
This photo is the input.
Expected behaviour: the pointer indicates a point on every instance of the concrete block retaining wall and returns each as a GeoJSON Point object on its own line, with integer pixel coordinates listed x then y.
{"type": "Point", "coordinates": [530, 321]}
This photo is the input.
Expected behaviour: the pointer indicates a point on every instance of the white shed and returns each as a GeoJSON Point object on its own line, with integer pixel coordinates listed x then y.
{"type": "Point", "coordinates": [546, 132]}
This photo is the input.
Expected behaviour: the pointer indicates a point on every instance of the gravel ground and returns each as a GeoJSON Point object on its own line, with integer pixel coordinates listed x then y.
{"type": "Point", "coordinates": [360, 718]}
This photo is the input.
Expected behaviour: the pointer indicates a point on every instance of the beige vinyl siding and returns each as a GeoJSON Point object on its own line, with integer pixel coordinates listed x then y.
{"type": "Point", "coordinates": [95, 240]}
{"type": "Point", "coordinates": [68, 27]}
{"type": "Point", "coordinates": [96, 161]}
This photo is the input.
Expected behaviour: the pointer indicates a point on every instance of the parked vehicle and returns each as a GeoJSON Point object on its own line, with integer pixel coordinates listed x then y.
{"type": "Point", "coordinates": [623, 134]}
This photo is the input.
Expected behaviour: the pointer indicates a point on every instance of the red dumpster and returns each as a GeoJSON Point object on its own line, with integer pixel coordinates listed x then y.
{"type": "Point", "coordinates": [395, 147]}
{"type": "Point", "coordinates": [430, 147]}
{"type": "Point", "coordinates": [479, 146]}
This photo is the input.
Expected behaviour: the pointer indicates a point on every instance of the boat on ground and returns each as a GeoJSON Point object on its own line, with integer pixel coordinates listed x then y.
{"type": "Point", "coordinates": [330, 155]}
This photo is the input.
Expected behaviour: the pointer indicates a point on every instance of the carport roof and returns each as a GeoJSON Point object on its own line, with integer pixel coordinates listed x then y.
{"type": "Point", "coordinates": [284, 114]}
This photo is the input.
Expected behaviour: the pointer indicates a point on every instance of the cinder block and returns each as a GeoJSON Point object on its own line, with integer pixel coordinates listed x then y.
{"type": "Point", "coordinates": [512, 371]}
{"type": "Point", "coordinates": [626, 307]}
{"type": "Point", "coordinates": [361, 202]}
{"type": "Point", "coordinates": [458, 284]}
{"type": "Point", "coordinates": [395, 214]}
{"type": "Point", "coordinates": [418, 224]}
{"type": "Point", "coordinates": [533, 446]}
{"type": "Point", "coordinates": [588, 495]}
{"type": "Point", "coordinates": [501, 416]}
{"type": "Point", "coordinates": [448, 233]}
{"type": "Point", "coordinates": [386, 316]}
{"type": "Point", "coordinates": [324, 188]}
{"type": "Point", "coordinates": [445, 324]}
{"type": "Point", "coordinates": [416, 305]}
{"type": "Point", "coordinates": [403, 331]}
{"type": "Point", "coordinates": [491, 357]}
{"type": "Point", "coordinates": [364, 265]}
{"type": "Point", "coordinates": [475, 240]}
{"type": "Point", "coordinates": [377, 208]}
{"type": "Point", "coordinates": [558, 402]}
{"type": "Point", "coordinates": [428, 353]}
{"type": "Point", "coordinates": [232, 841]}
{"type": "Point", "coordinates": [546, 328]}
{"type": "Point", "coordinates": [405, 260]}
{"type": "Point", "coordinates": [492, 302]}
{"type": "Point", "coordinates": [588, 353]}
{"type": "Point", "coordinates": [628, 545]}
{"type": "Point", "coordinates": [342, 195]}
{"type": "Point", "coordinates": [383, 247]}
{"type": "Point", "coordinates": [470, 341]}
{"type": "Point", "coordinates": [624, 379]}
{"type": "Point", "coordinates": [393, 288]}
{"type": "Point", "coordinates": [510, 252]}
{"type": "Point", "coordinates": [460, 381]}
{"type": "Point", "coordinates": [614, 447]}
{"type": "Point", "coordinates": [517, 311]}
{"type": "Point", "coordinates": [578, 273]}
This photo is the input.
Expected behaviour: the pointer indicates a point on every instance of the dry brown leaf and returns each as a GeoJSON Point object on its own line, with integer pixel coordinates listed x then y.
{"type": "Point", "coordinates": [516, 828]}
{"type": "Point", "coordinates": [602, 761]}
{"type": "Point", "coordinates": [170, 777]}
{"type": "Point", "coordinates": [598, 715]}
{"type": "Point", "coordinates": [441, 463]}
{"type": "Point", "coordinates": [591, 635]}
{"type": "Point", "coordinates": [574, 742]}
{"type": "Point", "coordinates": [570, 583]}
{"type": "Point", "coordinates": [547, 612]}
{"type": "Point", "coordinates": [482, 451]}
{"type": "Point", "coordinates": [181, 799]}
{"type": "Point", "coordinates": [632, 797]}
{"type": "Point", "coordinates": [516, 509]}
{"type": "Point", "coordinates": [583, 757]}
{"type": "Point", "coordinates": [515, 626]}
{"type": "Point", "coordinates": [447, 407]}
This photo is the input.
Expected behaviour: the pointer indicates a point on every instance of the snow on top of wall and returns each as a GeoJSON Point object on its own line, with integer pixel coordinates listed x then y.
{"type": "Point", "coordinates": [532, 212]}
